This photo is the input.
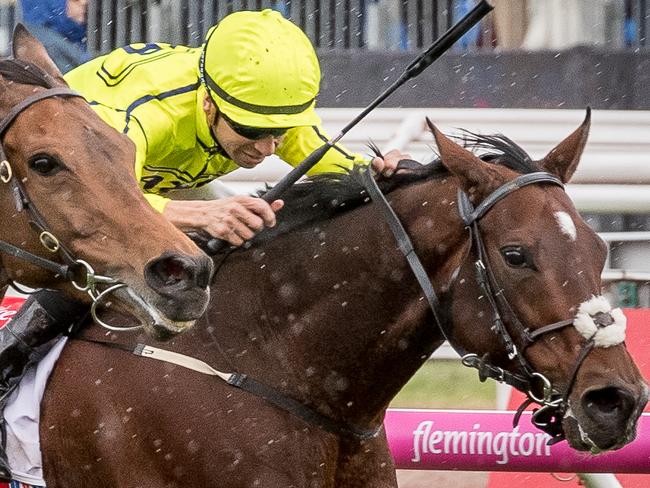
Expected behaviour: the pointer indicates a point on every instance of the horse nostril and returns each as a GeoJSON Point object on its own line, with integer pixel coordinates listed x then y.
{"type": "Point", "coordinates": [169, 271]}
{"type": "Point", "coordinates": [204, 273]}
{"type": "Point", "coordinates": [609, 402]}
{"type": "Point", "coordinates": [173, 273]}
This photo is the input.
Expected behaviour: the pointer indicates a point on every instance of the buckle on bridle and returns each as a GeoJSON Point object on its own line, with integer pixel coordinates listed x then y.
{"type": "Point", "coordinates": [547, 391]}
{"type": "Point", "coordinates": [49, 241]}
{"type": "Point", "coordinates": [5, 171]}
{"type": "Point", "coordinates": [91, 280]}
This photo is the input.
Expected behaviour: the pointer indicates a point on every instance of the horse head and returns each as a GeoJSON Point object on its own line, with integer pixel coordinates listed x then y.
{"type": "Point", "coordinates": [531, 283]}
{"type": "Point", "coordinates": [69, 195]}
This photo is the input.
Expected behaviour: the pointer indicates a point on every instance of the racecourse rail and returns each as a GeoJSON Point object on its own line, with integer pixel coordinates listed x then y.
{"type": "Point", "coordinates": [613, 177]}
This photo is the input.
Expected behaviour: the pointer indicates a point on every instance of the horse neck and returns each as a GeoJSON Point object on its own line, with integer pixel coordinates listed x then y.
{"type": "Point", "coordinates": [331, 312]}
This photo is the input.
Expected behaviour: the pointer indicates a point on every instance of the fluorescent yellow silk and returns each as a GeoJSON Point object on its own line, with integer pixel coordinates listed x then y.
{"type": "Point", "coordinates": [152, 93]}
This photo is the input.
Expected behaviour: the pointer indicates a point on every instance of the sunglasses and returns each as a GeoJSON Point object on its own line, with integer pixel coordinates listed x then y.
{"type": "Point", "coordinates": [253, 133]}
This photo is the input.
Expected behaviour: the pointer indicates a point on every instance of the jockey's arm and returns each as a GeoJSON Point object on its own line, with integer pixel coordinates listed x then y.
{"type": "Point", "coordinates": [238, 219]}
{"type": "Point", "coordinates": [235, 219]}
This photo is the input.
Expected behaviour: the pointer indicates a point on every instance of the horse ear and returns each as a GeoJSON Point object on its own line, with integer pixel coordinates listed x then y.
{"type": "Point", "coordinates": [27, 48]}
{"type": "Point", "coordinates": [563, 159]}
{"type": "Point", "coordinates": [476, 176]}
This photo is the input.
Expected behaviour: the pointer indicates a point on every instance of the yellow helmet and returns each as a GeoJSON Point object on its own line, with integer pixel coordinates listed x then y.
{"type": "Point", "coordinates": [261, 70]}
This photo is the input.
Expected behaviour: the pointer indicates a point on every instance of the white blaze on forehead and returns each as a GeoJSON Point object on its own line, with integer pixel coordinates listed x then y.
{"type": "Point", "coordinates": [567, 226]}
{"type": "Point", "coordinates": [603, 336]}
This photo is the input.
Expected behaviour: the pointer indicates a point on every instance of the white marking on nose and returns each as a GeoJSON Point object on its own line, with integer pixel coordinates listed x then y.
{"type": "Point", "coordinates": [607, 336]}
{"type": "Point", "coordinates": [567, 226]}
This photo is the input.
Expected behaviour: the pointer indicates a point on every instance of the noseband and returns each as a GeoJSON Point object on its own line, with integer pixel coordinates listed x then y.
{"type": "Point", "coordinates": [538, 388]}
{"type": "Point", "coordinates": [77, 271]}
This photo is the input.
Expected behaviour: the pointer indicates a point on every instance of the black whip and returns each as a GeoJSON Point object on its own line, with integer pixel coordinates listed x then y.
{"type": "Point", "coordinates": [422, 62]}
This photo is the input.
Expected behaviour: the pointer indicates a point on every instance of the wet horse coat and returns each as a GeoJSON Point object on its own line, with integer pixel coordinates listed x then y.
{"type": "Point", "coordinates": [325, 310]}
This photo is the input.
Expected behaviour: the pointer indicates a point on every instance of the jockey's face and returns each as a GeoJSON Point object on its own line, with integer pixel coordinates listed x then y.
{"type": "Point", "coordinates": [247, 153]}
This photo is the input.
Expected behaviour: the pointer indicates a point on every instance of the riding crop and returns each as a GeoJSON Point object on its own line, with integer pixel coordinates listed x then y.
{"type": "Point", "coordinates": [423, 61]}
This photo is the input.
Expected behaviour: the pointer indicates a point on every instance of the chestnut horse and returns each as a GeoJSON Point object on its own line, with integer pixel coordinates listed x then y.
{"type": "Point", "coordinates": [325, 314]}
{"type": "Point", "coordinates": [70, 207]}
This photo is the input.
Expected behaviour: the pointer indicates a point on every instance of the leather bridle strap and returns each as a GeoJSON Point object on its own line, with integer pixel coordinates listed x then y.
{"type": "Point", "coordinates": [62, 270]}
{"type": "Point", "coordinates": [532, 336]}
{"type": "Point", "coordinates": [470, 217]}
{"type": "Point", "coordinates": [22, 201]}
{"type": "Point", "coordinates": [32, 99]}
{"type": "Point", "coordinates": [405, 245]}
{"type": "Point", "coordinates": [485, 370]}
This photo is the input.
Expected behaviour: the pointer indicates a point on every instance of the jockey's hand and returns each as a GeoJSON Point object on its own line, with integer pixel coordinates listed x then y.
{"type": "Point", "coordinates": [386, 166]}
{"type": "Point", "coordinates": [235, 219]}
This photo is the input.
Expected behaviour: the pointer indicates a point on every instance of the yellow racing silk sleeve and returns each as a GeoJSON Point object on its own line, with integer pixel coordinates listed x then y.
{"type": "Point", "coordinates": [300, 142]}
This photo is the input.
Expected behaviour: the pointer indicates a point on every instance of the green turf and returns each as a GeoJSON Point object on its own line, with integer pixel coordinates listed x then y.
{"type": "Point", "coordinates": [446, 384]}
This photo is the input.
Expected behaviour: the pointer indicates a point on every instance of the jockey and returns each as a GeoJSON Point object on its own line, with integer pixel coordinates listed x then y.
{"type": "Point", "coordinates": [195, 114]}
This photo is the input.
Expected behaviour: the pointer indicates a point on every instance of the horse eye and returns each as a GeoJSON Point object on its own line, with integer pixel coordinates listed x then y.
{"type": "Point", "coordinates": [45, 165]}
{"type": "Point", "coordinates": [516, 257]}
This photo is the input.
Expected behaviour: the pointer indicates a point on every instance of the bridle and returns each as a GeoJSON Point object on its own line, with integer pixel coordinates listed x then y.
{"type": "Point", "coordinates": [76, 271]}
{"type": "Point", "coordinates": [553, 402]}
{"type": "Point", "coordinates": [537, 387]}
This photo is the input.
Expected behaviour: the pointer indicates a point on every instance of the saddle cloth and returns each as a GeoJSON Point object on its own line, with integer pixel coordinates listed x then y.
{"type": "Point", "coordinates": [17, 484]}
{"type": "Point", "coordinates": [23, 410]}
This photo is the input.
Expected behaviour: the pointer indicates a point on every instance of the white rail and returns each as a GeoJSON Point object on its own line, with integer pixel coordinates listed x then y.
{"type": "Point", "coordinates": [613, 177]}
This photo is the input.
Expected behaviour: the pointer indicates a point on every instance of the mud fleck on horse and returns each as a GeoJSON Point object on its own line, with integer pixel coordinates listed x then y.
{"type": "Point", "coordinates": [70, 208]}
{"type": "Point", "coordinates": [324, 312]}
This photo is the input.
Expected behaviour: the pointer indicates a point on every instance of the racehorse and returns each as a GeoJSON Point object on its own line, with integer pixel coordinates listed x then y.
{"type": "Point", "coordinates": [70, 208]}
{"type": "Point", "coordinates": [325, 315]}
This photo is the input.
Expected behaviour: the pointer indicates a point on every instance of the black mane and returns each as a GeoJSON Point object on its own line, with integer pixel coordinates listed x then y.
{"type": "Point", "coordinates": [25, 73]}
{"type": "Point", "coordinates": [322, 196]}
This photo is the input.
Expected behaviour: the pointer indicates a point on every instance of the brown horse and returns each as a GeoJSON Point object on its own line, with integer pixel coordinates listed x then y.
{"type": "Point", "coordinates": [70, 206]}
{"type": "Point", "coordinates": [325, 311]}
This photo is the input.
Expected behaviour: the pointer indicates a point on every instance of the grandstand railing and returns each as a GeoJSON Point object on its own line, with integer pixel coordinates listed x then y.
{"type": "Point", "coordinates": [330, 24]}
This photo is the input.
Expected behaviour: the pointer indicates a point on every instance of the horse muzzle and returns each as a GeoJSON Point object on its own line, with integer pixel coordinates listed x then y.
{"type": "Point", "coordinates": [604, 418]}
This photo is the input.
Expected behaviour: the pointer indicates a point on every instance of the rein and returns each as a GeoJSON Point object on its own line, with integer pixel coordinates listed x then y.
{"type": "Point", "coordinates": [536, 386]}
{"type": "Point", "coordinates": [77, 271]}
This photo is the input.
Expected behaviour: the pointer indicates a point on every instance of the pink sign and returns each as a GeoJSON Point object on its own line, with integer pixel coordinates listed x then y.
{"type": "Point", "coordinates": [486, 441]}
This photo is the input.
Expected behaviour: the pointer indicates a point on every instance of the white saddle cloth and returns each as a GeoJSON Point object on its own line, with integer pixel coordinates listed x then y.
{"type": "Point", "coordinates": [22, 415]}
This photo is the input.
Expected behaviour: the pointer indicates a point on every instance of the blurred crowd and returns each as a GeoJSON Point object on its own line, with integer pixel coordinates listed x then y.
{"type": "Point", "coordinates": [59, 24]}
{"type": "Point", "coordinates": [560, 24]}
{"type": "Point", "coordinates": [389, 24]}
{"type": "Point", "coordinates": [517, 24]}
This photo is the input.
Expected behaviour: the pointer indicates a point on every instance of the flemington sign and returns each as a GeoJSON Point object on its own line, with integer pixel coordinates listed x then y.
{"type": "Point", "coordinates": [502, 446]}
{"type": "Point", "coordinates": [486, 441]}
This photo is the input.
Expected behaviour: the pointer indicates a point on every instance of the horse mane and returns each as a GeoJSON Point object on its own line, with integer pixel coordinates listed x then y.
{"type": "Point", "coordinates": [25, 73]}
{"type": "Point", "coordinates": [322, 196]}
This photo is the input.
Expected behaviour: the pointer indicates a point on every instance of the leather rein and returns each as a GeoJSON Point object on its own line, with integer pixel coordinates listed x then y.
{"type": "Point", "coordinates": [76, 271]}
